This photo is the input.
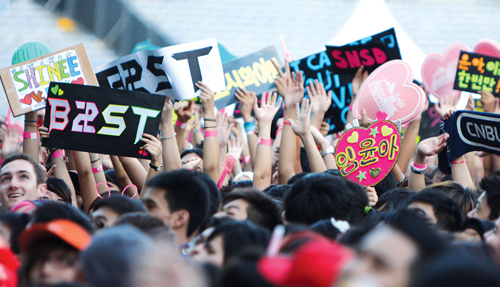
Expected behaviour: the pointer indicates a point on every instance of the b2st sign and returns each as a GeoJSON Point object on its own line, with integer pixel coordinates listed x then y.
{"type": "Point", "coordinates": [100, 120]}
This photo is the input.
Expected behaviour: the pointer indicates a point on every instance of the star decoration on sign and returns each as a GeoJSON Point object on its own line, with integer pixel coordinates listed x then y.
{"type": "Point", "coordinates": [68, 54]}
{"type": "Point", "coordinates": [51, 59]}
{"type": "Point", "coordinates": [374, 131]}
{"type": "Point", "coordinates": [59, 57]}
{"type": "Point", "coordinates": [361, 175]}
{"type": "Point", "coordinates": [31, 65]}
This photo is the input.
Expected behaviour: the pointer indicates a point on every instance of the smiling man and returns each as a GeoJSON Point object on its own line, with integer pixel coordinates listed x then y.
{"type": "Point", "coordinates": [21, 178]}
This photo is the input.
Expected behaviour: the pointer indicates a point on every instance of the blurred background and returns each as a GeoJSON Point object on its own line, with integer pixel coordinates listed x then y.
{"type": "Point", "coordinates": [112, 28]}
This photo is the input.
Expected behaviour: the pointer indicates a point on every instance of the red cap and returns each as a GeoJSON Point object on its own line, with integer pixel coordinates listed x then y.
{"type": "Point", "coordinates": [64, 229]}
{"type": "Point", "coordinates": [317, 264]}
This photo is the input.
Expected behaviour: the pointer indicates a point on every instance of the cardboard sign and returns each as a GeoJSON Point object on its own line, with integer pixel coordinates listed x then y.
{"type": "Point", "coordinates": [26, 84]}
{"type": "Point", "coordinates": [477, 72]}
{"type": "Point", "coordinates": [371, 52]}
{"type": "Point", "coordinates": [254, 72]}
{"type": "Point", "coordinates": [469, 131]}
{"type": "Point", "coordinates": [488, 47]}
{"type": "Point", "coordinates": [438, 71]}
{"type": "Point", "coordinates": [367, 155]}
{"type": "Point", "coordinates": [171, 71]}
{"type": "Point", "coordinates": [319, 67]}
{"type": "Point", "coordinates": [390, 89]}
{"type": "Point", "coordinates": [100, 120]}
{"type": "Point", "coordinates": [429, 124]}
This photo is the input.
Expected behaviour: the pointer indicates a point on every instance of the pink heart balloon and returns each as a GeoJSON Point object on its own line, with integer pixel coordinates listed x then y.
{"type": "Point", "coordinates": [390, 89]}
{"type": "Point", "coordinates": [438, 71]}
{"type": "Point", "coordinates": [488, 47]}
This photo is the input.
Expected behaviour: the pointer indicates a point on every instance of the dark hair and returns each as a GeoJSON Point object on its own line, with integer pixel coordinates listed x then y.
{"type": "Point", "coordinates": [40, 175]}
{"type": "Point", "coordinates": [184, 190]}
{"type": "Point", "coordinates": [326, 228]}
{"type": "Point", "coordinates": [359, 201]}
{"type": "Point", "coordinates": [490, 185]}
{"type": "Point", "coordinates": [110, 175]}
{"type": "Point", "coordinates": [464, 197]}
{"type": "Point", "coordinates": [51, 210]}
{"type": "Point", "coordinates": [76, 183]}
{"type": "Point", "coordinates": [296, 177]}
{"type": "Point", "coordinates": [427, 240]}
{"type": "Point", "coordinates": [459, 267]}
{"type": "Point", "coordinates": [120, 204]}
{"type": "Point", "coordinates": [447, 212]}
{"type": "Point", "coordinates": [147, 223]}
{"type": "Point", "coordinates": [59, 187]}
{"type": "Point", "coordinates": [197, 151]}
{"type": "Point", "coordinates": [317, 196]}
{"type": "Point", "coordinates": [241, 270]}
{"type": "Point", "coordinates": [16, 223]}
{"type": "Point", "coordinates": [394, 199]}
{"type": "Point", "coordinates": [213, 192]}
{"type": "Point", "coordinates": [238, 235]}
{"type": "Point", "coordinates": [277, 191]}
{"type": "Point", "coordinates": [233, 185]}
{"type": "Point", "coordinates": [386, 184]}
{"type": "Point", "coordinates": [262, 210]}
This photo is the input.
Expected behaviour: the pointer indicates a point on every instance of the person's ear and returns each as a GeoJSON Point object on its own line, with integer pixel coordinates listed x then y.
{"type": "Point", "coordinates": [41, 190]}
{"type": "Point", "coordinates": [180, 218]}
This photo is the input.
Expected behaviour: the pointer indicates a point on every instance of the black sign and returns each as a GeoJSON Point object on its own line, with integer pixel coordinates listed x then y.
{"type": "Point", "coordinates": [477, 73]}
{"type": "Point", "coordinates": [100, 120]}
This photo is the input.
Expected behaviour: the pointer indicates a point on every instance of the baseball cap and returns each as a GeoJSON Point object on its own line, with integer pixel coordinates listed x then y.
{"type": "Point", "coordinates": [64, 229]}
{"type": "Point", "coordinates": [318, 263]}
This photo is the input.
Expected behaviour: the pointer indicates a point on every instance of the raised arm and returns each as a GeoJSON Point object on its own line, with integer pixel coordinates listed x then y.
{"type": "Point", "coordinates": [263, 161]}
{"type": "Point", "coordinates": [289, 149]}
{"type": "Point", "coordinates": [357, 82]}
{"type": "Point", "coordinates": [184, 111]}
{"type": "Point", "coordinates": [31, 136]}
{"type": "Point", "coordinates": [170, 150]}
{"type": "Point", "coordinates": [211, 142]}
{"type": "Point", "coordinates": [86, 178]}
{"type": "Point", "coordinates": [327, 150]}
{"type": "Point", "coordinates": [320, 102]}
{"type": "Point", "coordinates": [301, 127]}
{"type": "Point", "coordinates": [223, 131]}
{"type": "Point", "coordinates": [246, 99]}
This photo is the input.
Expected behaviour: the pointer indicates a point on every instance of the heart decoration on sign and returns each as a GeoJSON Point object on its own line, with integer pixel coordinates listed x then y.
{"type": "Point", "coordinates": [56, 91]}
{"type": "Point", "coordinates": [78, 81]}
{"type": "Point", "coordinates": [143, 152]}
{"type": "Point", "coordinates": [390, 89]}
{"type": "Point", "coordinates": [438, 71]}
{"type": "Point", "coordinates": [26, 100]}
{"type": "Point", "coordinates": [488, 47]}
{"type": "Point", "coordinates": [367, 155]}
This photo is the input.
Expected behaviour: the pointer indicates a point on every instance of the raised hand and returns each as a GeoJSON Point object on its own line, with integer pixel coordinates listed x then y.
{"type": "Point", "coordinates": [281, 81]}
{"type": "Point", "coordinates": [184, 110]}
{"type": "Point", "coordinates": [207, 97]}
{"type": "Point", "coordinates": [295, 90]}
{"type": "Point", "coordinates": [446, 103]}
{"type": "Point", "coordinates": [488, 101]}
{"type": "Point", "coordinates": [166, 115]}
{"type": "Point", "coordinates": [223, 130]}
{"type": "Point", "coordinates": [358, 80]}
{"type": "Point", "coordinates": [153, 146]}
{"type": "Point", "coordinates": [268, 108]}
{"type": "Point", "coordinates": [320, 101]}
{"type": "Point", "coordinates": [235, 147]}
{"type": "Point", "coordinates": [432, 146]}
{"type": "Point", "coordinates": [301, 125]}
{"type": "Point", "coordinates": [246, 99]}
{"type": "Point", "coordinates": [372, 196]}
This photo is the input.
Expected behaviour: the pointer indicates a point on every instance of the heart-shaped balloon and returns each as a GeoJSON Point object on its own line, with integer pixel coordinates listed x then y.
{"type": "Point", "coordinates": [370, 159]}
{"type": "Point", "coordinates": [488, 47]}
{"type": "Point", "coordinates": [390, 89]}
{"type": "Point", "coordinates": [439, 70]}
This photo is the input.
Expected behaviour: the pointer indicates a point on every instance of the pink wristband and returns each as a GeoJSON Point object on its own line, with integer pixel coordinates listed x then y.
{"type": "Point", "coordinates": [212, 133]}
{"type": "Point", "coordinates": [97, 169]}
{"type": "Point", "coordinates": [180, 125]}
{"type": "Point", "coordinates": [419, 166]}
{"type": "Point", "coordinates": [458, 162]}
{"type": "Point", "coordinates": [267, 142]}
{"type": "Point", "coordinates": [31, 136]}
{"type": "Point", "coordinates": [57, 153]}
{"type": "Point", "coordinates": [246, 159]}
{"type": "Point", "coordinates": [287, 123]}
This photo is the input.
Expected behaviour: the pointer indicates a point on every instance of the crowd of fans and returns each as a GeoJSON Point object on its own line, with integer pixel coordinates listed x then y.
{"type": "Point", "coordinates": [259, 204]}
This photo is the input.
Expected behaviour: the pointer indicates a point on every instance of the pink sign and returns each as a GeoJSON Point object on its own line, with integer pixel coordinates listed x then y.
{"type": "Point", "coordinates": [367, 155]}
{"type": "Point", "coordinates": [488, 47]}
{"type": "Point", "coordinates": [390, 89]}
{"type": "Point", "coordinates": [438, 71]}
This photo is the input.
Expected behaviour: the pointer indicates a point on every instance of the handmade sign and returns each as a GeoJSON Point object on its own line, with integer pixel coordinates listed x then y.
{"type": "Point", "coordinates": [100, 120]}
{"type": "Point", "coordinates": [26, 84]}
{"type": "Point", "coordinates": [371, 52]}
{"type": "Point", "coordinates": [488, 47]}
{"type": "Point", "coordinates": [319, 67]}
{"type": "Point", "coordinates": [429, 124]}
{"type": "Point", "coordinates": [390, 89]}
{"type": "Point", "coordinates": [254, 72]}
{"type": "Point", "coordinates": [477, 73]}
{"type": "Point", "coordinates": [438, 71]}
{"type": "Point", "coordinates": [367, 155]}
{"type": "Point", "coordinates": [469, 131]}
{"type": "Point", "coordinates": [172, 71]}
